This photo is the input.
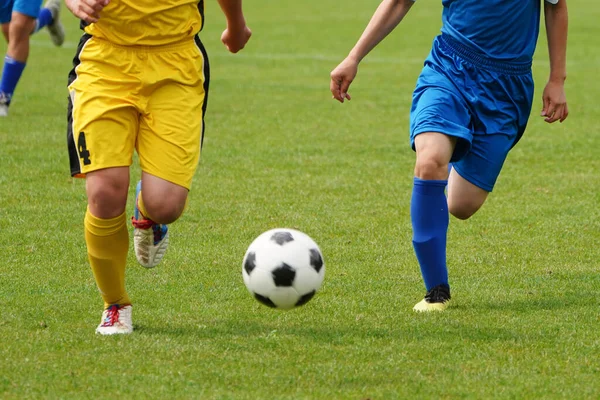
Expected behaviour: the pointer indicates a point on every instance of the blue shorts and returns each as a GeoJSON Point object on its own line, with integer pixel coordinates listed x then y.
{"type": "Point", "coordinates": [485, 104]}
{"type": "Point", "coordinates": [26, 7]}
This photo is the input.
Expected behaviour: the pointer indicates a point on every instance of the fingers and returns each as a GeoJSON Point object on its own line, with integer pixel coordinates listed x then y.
{"type": "Point", "coordinates": [235, 42]}
{"type": "Point", "coordinates": [240, 42]}
{"type": "Point", "coordinates": [555, 112]}
{"type": "Point", "coordinates": [554, 102]}
{"type": "Point", "coordinates": [88, 10]}
{"type": "Point", "coordinates": [565, 113]}
{"type": "Point", "coordinates": [545, 105]}
{"type": "Point", "coordinates": [87, 14]}
{"type": "Point", "coordinates": [337, 91]}
{"type": "Point", "coordinates": [339, 87]}
{"type": "Point", "coordinates": [550, 113]}
{"type": "Point", "coordinates": [334, 87]}
{"type": "Point", "coordinates": [342, 77]}
{"type": "Point", "coordinates": [344, 89]}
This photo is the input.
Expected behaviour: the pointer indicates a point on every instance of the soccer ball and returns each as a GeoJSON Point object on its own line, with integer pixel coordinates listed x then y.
{"type": "Point", "coordinates": [283, 268]}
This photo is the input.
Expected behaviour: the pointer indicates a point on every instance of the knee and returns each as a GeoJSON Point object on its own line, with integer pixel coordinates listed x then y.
{"type": "Point", "coordinates": [163, 209]}
{"type": "Point", "coordinates": [430, 166]}
{"type": "Point", "coordinates": [21, 27]}
{"type": "Point", "coordinates": [106, 199]}
{"type": "Point", "coordinates": [463, 209]}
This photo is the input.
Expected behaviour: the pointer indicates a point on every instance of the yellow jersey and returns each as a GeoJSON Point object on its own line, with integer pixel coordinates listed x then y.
{"type": "Point", "coordinates": [148, 22]}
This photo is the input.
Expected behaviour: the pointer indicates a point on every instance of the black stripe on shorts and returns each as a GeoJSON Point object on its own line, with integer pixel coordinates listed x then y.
{"type": "Point", "coordinates": [73, 153]}
{"type": "Point", "coordinates": [206, 83]}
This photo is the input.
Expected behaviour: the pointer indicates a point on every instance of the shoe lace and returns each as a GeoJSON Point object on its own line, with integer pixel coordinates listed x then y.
{"type": "Point", "coordinates": [439, 294]}
{"type": "Point", "coordinates": [112, 315]}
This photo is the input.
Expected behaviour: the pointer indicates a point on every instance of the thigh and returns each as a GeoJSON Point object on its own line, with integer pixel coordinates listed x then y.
{"type": "Point", "coordinates": [438, 106]}
{"type": "Point", "coordinates": [434, 151]}
{"type": "Point", "coordinates": [172, 124]}
{"type": "Point", "coordinates": [501, 104]}
{"type": "Point", "coordinates": [163, 200]}
{"type": "Point", "coordinates": [464, 198]}
{"type": "Point", "coordinates": [30, 8]}
{"type": "Point", "coordinates": [483, 163]}
{"type": "Point", "coordinates": [103, 113]}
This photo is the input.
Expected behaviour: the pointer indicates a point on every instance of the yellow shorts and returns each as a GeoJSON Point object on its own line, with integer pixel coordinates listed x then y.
{"type": "Point", "coordinates": [151, 98]}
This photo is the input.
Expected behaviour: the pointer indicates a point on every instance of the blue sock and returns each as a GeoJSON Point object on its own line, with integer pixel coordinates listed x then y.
{"type": "Point", "coordinates": [430, 219]}
{"type": "Point", "coordinates": [10, 76]}
{"type": "Point", "coordinates": [44, 18]}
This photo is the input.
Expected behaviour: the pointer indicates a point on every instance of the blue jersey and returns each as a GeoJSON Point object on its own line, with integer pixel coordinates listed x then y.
{"type": "Point", "coordinates": [504, 30]}
{"type": "Point", "coordinates": [476, 84]}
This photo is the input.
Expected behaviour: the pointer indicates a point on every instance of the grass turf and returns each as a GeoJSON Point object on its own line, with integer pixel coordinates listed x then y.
{"type": "Point", "coordinates": [278, 152]}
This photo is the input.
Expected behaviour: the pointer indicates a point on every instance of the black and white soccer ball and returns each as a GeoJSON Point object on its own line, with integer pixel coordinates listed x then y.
{"type": "Point", "coordinates": [283, 268]}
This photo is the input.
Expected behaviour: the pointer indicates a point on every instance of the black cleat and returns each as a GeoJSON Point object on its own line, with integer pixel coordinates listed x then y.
{"type": "Point", "coordinates": [436, 299]}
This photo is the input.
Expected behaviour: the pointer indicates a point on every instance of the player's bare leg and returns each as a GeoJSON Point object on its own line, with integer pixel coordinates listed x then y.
{"type": "Point", "coordinates": [19, 29]}
{"type": "Point", "coordinates": [4, 100]}
{"type": "Point", "coordinates": [464, 198]}
{"type": "Point", "coordinates": [158, 203]}
{"type": "Point", "coordinates": [430, 218]}
{"type": "Point", "coordinates": [107, 241]}
{"type": "Point", "coordinates": [5, 29]}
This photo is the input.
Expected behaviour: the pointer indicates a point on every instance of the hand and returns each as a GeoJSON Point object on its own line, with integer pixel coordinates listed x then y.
{"type": "Point", "coordinates": [87, 10]}
{"type": "Point", "coordinates": [236, 37]}
{"type": "Point", "coordinates": [555, 102]}
{"type": "Point", "coordinates": [341, 78]}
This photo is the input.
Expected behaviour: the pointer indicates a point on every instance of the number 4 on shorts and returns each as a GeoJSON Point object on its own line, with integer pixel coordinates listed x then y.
{"type": "Point", "coordinates": [84, 153]}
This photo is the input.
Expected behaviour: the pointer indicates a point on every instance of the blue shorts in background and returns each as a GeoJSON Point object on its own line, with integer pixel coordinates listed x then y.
{"type": "Point", "coordinates": [483, 103]}
{"type": "Point", "coordinates": [27, 7]}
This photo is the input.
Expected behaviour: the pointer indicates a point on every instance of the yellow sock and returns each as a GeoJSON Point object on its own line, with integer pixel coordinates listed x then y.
{"type": "Point", "coordinates": [107, 245]}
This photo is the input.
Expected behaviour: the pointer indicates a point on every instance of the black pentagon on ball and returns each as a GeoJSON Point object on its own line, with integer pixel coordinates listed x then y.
{"type": "Point", "coordinates": [265, 300]}
{"type": "Point", "coordinates": [282, 238]}
{"type": "Point", "coordinates": [305, 298]}
{"type": "Point", "coordinates": [316, 261]}
{"type": "Point", "coordinates": [283, 275]}
{"type": "Point", "coordinates": [250, 262]}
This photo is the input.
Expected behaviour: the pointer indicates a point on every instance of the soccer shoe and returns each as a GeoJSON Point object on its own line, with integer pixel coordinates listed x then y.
{"type": "Point", "coordinates": [436, 299]}
{"type": "Point", "coordinates": [56, 29]}
{"type": "Point", "coordinates": [116, 319]}
{"type": "Point", "coordinates": [150, 240]}
{"type": "Point", "coordinates": [4, 102]}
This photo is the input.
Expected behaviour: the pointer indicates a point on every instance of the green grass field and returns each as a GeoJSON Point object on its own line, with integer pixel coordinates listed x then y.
{"type": "Point", "coordinates": [279, 152]}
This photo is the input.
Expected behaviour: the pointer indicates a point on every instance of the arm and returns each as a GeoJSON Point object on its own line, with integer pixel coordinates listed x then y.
{"type": "Point", "coordinates": [237, 34]}
{"type": "Point", "coordinates": [387, 16]}
{"type": "Point", "coordinates": [554, 99]}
